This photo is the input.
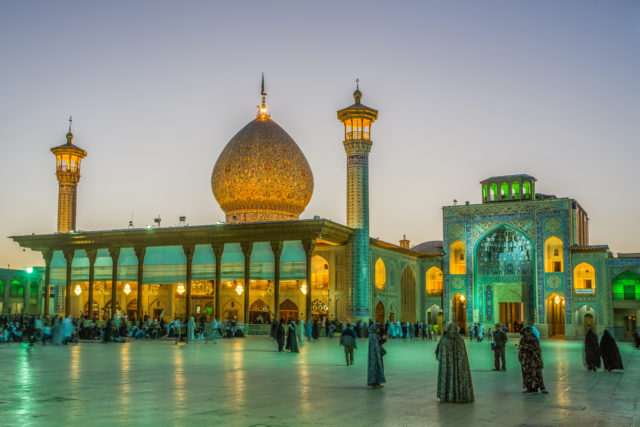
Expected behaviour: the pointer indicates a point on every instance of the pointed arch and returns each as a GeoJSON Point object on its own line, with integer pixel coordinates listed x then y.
{"type": "Point", "coordinates": [457, 258]}
{"type": "Point", "coordinates": [408, 293]}
{"type": "Point", "coordinates": [626, 286]}
{"type": "Point", "coordinates": [584, 279]}
{"type": "Point", "coordinates": [434, 281]}
{"type": "Point", "coordinates": [553, 255]}
{"type": "Point", "coordinates": [380, 275]}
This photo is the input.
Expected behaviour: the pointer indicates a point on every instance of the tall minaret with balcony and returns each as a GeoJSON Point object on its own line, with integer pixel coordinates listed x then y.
{"type": "Point", "coordinates": [68, 158]}
{"type": "Point", "coordinates": [357, 120]}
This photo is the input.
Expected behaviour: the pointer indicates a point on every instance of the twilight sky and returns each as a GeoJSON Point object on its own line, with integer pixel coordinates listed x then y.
{"type": "Point", "coordinates": [465, 90]}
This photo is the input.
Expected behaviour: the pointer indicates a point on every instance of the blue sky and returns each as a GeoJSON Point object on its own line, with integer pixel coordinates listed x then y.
{"type": "Point", "coordinates": [465, 90]}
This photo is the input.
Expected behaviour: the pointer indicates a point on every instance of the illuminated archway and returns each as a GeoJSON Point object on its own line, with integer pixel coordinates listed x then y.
{"type": "Point", "coordinates": [553, 255]}
{"type": "Point", "coordinates": [584, 279]}
{"type": "Point", "coordinates": [555, 315]}
{"type": "Point", "coordinates": [380, 275]}
{"type": "Point", "coordinates": [319, 273]}
{"type": "Point", "coordinates": [457, 258]}
{"type": "Point", "coordinates": [288, 310]}
{"type": "Point", "coordinates": [380, 312]}
{"type": "Point", "coordinates": [504, 277]}
{"type": "Point", "coordinates": [459, 311]}
{"type": "Point", "coordinates": [434, 281]}
{"type": "Point", "coordinates": [626, 286]}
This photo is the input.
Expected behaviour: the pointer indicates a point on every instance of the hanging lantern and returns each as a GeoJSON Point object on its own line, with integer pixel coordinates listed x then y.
{"type": "Point", "coordinates": [78, 290]}
{"type": "Point", "coordinates": [239, 289]}
{"type": "Point", "coordinates": [462, 298]}
{"type": "Point", "coordinates": [556, 299]}
{"type": "Point", "coordinates": [180, 289]}
{"type": "Point", "coordinates": [303, 288]}
{"type": "Point", "coordinates": [127, 289]}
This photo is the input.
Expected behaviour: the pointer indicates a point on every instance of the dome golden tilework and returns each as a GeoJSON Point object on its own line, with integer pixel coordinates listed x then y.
{"type": "Point", "coordinates": [262, 175]}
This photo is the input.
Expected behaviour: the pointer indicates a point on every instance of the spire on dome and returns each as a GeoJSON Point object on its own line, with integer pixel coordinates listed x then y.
{"type": "Point", "coordinates": [357, 95]}
{"type": "Point", "coordinates": [262, 109]}
{"type": "Point", "coordinates": [69, 134]}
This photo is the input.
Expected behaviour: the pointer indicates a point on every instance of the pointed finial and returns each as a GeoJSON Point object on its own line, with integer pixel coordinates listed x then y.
{"type": "Point", "coordinates": [262, 109]}
{"type": "Point", "coordinates": [69, 134]}
{"type": "Point", "coordinates": [357, 95]}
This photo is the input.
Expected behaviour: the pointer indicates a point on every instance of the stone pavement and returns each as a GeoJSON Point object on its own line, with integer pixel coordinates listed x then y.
{"type": "Point", "coordinates": [243, 382]}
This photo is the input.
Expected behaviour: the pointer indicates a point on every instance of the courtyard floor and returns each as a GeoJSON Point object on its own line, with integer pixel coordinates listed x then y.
{"type": "Point", "coordinates": [244, 382]}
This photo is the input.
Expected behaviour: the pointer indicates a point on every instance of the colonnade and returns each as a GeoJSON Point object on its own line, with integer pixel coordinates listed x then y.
{"type": "Point", "coordinates": [189, 250]}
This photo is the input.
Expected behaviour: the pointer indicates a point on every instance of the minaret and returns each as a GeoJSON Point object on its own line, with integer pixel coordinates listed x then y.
{"type": "Point", "coordinates": [68, 158]}
{"type": "Point", "coordinates": [357, 120]}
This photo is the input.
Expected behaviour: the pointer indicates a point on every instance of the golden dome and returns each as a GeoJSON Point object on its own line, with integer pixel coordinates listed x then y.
{"type": "Point", "coordinates": [262, 175]}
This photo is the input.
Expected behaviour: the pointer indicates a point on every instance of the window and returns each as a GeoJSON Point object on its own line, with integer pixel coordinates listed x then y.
{"type": "Point", "coordinates": [504, 191]}
{"type": "Point", "coordinates": [380, 274]}
{"type": "Point", "coordinates": [526, 189]}
{"type": "Point", "coordinates": [553, 255]}
{"type": "Point", "coordinates": [434, 281]}
{"type": "Point", "coordinates": [584, 279]}
{"type": "Point", "coordinates": [17, 289]}
{"type": "Point", "coordinates": [626, 286]}
{"type": "Point", "coordinates": [457, 258]}
{"type": "Point", "coordinates": [515, 188]}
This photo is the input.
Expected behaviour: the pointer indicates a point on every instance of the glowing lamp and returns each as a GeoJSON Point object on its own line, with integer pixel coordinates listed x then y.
{"type": "Point", "coordinates": [462, 298]}
{"type": "Point", "coordinates": [29, 270]}
{"type": "Point", "coordinates": [239, 289]}
{"type": "Point", "coordinates": [556, 299]}
{"type": "Point", "coordinates": [127, 289]}
{"type": "Point", "coordinates": [77, 290]}
{"type": "Point", "coordinates": [303, 289]}
{"type": "Point", "coordinates": [180, 289]}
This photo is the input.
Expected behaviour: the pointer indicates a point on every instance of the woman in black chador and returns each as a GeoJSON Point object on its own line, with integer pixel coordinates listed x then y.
{"type": "Point", "coordinates": [591, 351]}
{"type": "Point", "coordinates": [280, 334]}
{"type": "Point", "coordinates": [611, 358]}
{"type": "Point", "coordinates": [315, 333]}
{"type": "Point", "coordinates": [292, 340]}
{"type": "Point", "coordinates": [530, 357]}
{"type": "Point", "coordinates": [454, 374]}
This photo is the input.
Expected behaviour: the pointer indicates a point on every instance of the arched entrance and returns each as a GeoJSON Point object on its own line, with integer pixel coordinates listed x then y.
{"type": "Point", "coordinates": [380, 312]}
{"type": "Point", "coordinates": [435, 316]}
{"type": "Point", "coordinates": [157, 309]}
{"type": "Point", "coordinates": [288, 310]}
{"type": "Point", "coordinates": [408, 290]}
{"type": "Point", "coordinates": [231, 311]}
{"type": "Point", "coordinates": [259, 312]}
{"type": "Point", "coordinates": [505, 274]}
{"type": "Point", "coordinates": [585, 315]}
{"type": "Point", "coordinates": [459, 311]}
{"type": "Point", "coordinates": [132, 309]}
{"type": "Point", "coordinates": [555, 315]}
{"type": "Point", "coordinates": [107, 308]}
{"type": "Point", "coordinates": [96, 310]}
{"type": "Point", "coordinates": [392, 313]}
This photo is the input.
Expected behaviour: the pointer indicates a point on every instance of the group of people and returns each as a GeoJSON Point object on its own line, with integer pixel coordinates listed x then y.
{"type": "Point", "coordinates": [607, 351]}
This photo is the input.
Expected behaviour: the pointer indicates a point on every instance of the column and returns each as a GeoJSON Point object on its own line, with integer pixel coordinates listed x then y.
{"type": "Point", "coordinates": [276, 248]}
{"type": "Point", "coordinates": [7, 295]}
{"type": "Point", "coordinates": [25, 295]}
{"type": "Point", "coordinates": [91, 254]}
{"type": "Point", "coordinates": [308, 246]}
{"type": "Point", "coordinates": [217, 252]}
{"type": "Point", "coordinates": [115, 255]}
{"type": "Point", "coordinates": [140, 251]}
{"type": "Point", "coordinates": [422, 288]}
{"type": "Point", "coordinates": [68, 256]}
{"type": "Point", "coordinates": [188, 253]}
{"type": "Point", "coordinates": [247, 248]}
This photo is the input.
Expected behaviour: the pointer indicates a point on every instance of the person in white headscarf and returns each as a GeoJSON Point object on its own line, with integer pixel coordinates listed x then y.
{"type": "Point", "coordinates": [191, 329]}
{"type": "Point", "coordinates": [300, 333]}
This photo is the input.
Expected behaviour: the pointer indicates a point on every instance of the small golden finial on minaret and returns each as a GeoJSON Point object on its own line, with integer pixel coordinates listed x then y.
{"type": "Point", "coordinates": [68, 158]}
{"type": "Point", "coordinates": [262, 109]}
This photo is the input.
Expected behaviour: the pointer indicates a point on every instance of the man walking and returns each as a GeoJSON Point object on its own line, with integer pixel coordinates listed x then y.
{"type": "Point", "coordinates": [348, 341]}
{"type": "Point", "coordinates": [499, 342]}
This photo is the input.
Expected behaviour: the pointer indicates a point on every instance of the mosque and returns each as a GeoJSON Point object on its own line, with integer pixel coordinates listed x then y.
{"type": "Point", "coordinates": [516, 257]}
